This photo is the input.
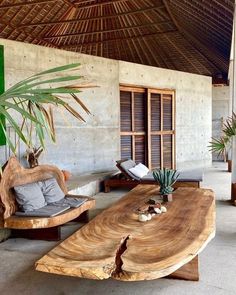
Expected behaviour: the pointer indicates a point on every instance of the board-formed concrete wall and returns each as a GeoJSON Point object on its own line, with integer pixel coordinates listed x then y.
{"type": "Point", "coordinates": [221, 110]}
{"type": "Point", "coordinates": [95, 145]}
{"type": "Point", "coordinates": [193, 108]}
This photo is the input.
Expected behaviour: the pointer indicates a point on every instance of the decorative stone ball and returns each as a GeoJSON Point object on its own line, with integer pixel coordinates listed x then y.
{"type": "Point", "coordinates": [149, 216]}
{"type": "Point", "coordinates": [142, 217]}
{"type": "Point", "coordinates": [163, 209]}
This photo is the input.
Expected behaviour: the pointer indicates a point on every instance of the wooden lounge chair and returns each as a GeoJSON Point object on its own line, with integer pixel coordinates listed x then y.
{"type": "Point", "coordinates": [125, 178]}
{"type": "Point", "coordinates": [34, 227]}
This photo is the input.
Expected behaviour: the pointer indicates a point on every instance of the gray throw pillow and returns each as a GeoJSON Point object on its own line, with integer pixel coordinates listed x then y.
{"type": "Point", "coordinates": [29, 196]}
{"type": "Point", "coordinates": [51, 190]}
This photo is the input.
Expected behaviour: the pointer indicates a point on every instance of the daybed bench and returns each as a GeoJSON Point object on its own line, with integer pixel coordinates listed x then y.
{"type": "Point", "coordinates": [14, 175]}
{"type": "Point", "coordinates": [187, 178]}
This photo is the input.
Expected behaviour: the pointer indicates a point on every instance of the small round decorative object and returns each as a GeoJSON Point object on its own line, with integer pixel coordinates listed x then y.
{"type": "Point", "coordinates": [149, 216]}
{"type": "Point", "coordinates": [142, 217]}
{"type": "Point", "coordinates": [163, 209]}
{"type": "Point", "coordinates": [157, 210]}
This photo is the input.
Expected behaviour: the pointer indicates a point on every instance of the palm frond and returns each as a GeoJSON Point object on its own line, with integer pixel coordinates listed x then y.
{"type": "Point", "coordinates": [29, 99]}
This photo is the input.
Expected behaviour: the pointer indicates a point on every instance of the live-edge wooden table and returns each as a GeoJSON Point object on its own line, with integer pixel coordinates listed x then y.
{"type": "Point", "coordinates": [115, 244]}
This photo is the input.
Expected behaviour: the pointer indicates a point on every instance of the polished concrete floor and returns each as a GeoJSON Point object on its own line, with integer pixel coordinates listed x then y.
{"type": "Point", "coordinates": [217, 261]}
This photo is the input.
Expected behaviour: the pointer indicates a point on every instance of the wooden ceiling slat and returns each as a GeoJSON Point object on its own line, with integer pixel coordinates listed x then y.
{"type": "Point", "coordinates": [198, 45]}
{"type": "Point", "coordinates": [209, 22]}
{"type": "Point", "coordinates": [82, 19]}
{"type": "Point", "coordinates": [105, 31]}
{"type": "Point", "coordinates": [26, 3]}
{"type": "Point", "coordinates": [108, 2]}
{"type": "Point", "coordinates": [139, 36]}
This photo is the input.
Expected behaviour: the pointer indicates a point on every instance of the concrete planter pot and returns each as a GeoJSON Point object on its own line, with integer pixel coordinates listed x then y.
{"type": "Point", "coordinates": [167, 198]}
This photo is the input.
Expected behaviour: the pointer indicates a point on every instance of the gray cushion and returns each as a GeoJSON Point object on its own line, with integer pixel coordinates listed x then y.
{"type": "Point", "coordinates": [46, 211]}
{"type": "Point", "coordinates": [70, 201]}
{"type": "Point", "coordinates": [186, 175]}
{"type": "Point", "coordinates": [126, 165]}
{"type": "Point", "coordinates": [51, 190]}
{"type": "Point", "coordinates": [29, 196]}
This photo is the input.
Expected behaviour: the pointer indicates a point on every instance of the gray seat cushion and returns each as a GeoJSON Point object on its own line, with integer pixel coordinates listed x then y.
{"type": "Point", "coordinates": [126, 165]}
{"type": "Point", "coordinates": [70, 201]}
{"type": "Point", "coordinates": [46, 211]}
{"type": "Point", "coordinates": [51, 190]}
{"type": "Point", "coordinates": [185, 175]}
{"type": "Point", "coordinates": [29, 196]}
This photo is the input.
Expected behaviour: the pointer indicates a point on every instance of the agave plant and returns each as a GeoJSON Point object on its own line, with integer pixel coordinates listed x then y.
{"type": "Point", "coordinates": [33, 99]}
{"type": "Point", "coordinates": [220, 146]}
{"type": "Point", "coordinates": [165, 178]}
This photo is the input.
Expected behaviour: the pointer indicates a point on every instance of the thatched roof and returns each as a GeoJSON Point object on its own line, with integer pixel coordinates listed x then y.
{"type": "Point", "coordinates": [186, 35]}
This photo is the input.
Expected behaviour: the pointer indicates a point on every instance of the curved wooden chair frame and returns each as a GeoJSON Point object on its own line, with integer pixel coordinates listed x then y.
{"type": "Point", "coordinates": [13, 175]}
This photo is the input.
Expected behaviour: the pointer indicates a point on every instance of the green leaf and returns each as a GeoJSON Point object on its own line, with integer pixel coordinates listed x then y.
{"type": "Point", "coordinates": [19, 110]}
{"type": "Point", "coordinates": [13, 124]}
{"type": "Point", "coordinates": [59, 69]}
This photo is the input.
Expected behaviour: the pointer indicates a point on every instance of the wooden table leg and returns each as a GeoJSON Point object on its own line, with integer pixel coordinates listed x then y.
{"type": "Point", "coordinates": [47, 234]}
{"type": "Point", "coordinates": [189, 271]}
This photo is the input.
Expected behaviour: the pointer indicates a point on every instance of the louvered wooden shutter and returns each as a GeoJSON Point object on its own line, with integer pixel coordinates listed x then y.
{"type": "Point", "coordinates": [133, 124]}
{"type": "Point", "coordinates": [147, 126]}
{"type": "Point", "coordinates": [161, 129]}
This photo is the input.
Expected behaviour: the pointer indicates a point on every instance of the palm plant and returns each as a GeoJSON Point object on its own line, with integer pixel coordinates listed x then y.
{"type": "Point", "coordinates": [32, 99]}
{"type": "Point", "coordinates": [165, 178]}
{"type": "Point", "coordinates": [222, 145]}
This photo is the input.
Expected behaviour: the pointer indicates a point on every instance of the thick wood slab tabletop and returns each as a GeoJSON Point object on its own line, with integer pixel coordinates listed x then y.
{"type": "Point", "coordinates": [115, 244]}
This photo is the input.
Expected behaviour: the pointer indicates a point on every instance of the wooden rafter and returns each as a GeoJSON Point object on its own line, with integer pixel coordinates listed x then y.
{"type": "Point", "coordinates": [26, 3]}
{"type": "Point", "coordinates": [108, 2]}
{"type": "Point", "coordinates": [106, 31]}
{"type": "Point", "coordinates": [82, 19]}
{"type": "Point", "coordinates": [139, 36]}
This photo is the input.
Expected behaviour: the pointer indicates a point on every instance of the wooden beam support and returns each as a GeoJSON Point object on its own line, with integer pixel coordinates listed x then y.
{"type": "Point", "coordinates": [26, 3]}
{"type": "Point", "coordinates": [106, 31]}
{"type": "Point", "coordinates": [108, 2]}
{"type": "Point", "coordinates": [92, 18]}
{"type": "Point", "coordinates": [140, 36]}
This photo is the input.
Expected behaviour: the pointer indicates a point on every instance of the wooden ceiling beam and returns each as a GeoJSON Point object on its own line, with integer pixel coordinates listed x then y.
{"type": "Point", "coordinates": [132, 12]}
{"type": "Point", "coordinates": [140, 36]}
{"type": "Point", "coordinates": [98, 3]}
{"type": "Point", "coordinates": [107, 31]}
{"type": "Point", "coordinates": [69, 2]}
{"type": "Point", "coordinates": [26, 3]}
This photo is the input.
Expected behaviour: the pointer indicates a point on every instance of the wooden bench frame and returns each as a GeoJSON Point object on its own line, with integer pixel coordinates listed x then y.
{"type": "Point", "coordinates": [13, 175]}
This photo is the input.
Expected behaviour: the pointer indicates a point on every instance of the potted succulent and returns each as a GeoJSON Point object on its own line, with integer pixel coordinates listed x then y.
{"type": "Point", "coordinates": [166, 178]}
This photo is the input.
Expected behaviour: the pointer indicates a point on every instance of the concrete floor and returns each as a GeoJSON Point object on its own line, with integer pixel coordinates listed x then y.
{"type": "Point", "coordinates": [217, 261]}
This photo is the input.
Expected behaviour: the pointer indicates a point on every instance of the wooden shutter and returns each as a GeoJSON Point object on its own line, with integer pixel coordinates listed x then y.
{"type": "Point", "coordinates": [147, 125]}
{"type": "Point", "coordinates": [133, 124]}
{"type": "Point", "coordinates": [161, 125]}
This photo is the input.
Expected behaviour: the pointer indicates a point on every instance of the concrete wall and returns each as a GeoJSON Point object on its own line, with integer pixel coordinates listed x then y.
{"type": "Point", "coordinates": [221, 109]}
{"type": "Point", "coordinates": [94, 145]}
{"type": "Point", "coordinates": [193, 108]}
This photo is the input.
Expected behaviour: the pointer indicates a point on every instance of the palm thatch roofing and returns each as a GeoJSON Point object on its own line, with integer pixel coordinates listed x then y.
{"type": "Point", "coordinates": [186, 35]}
